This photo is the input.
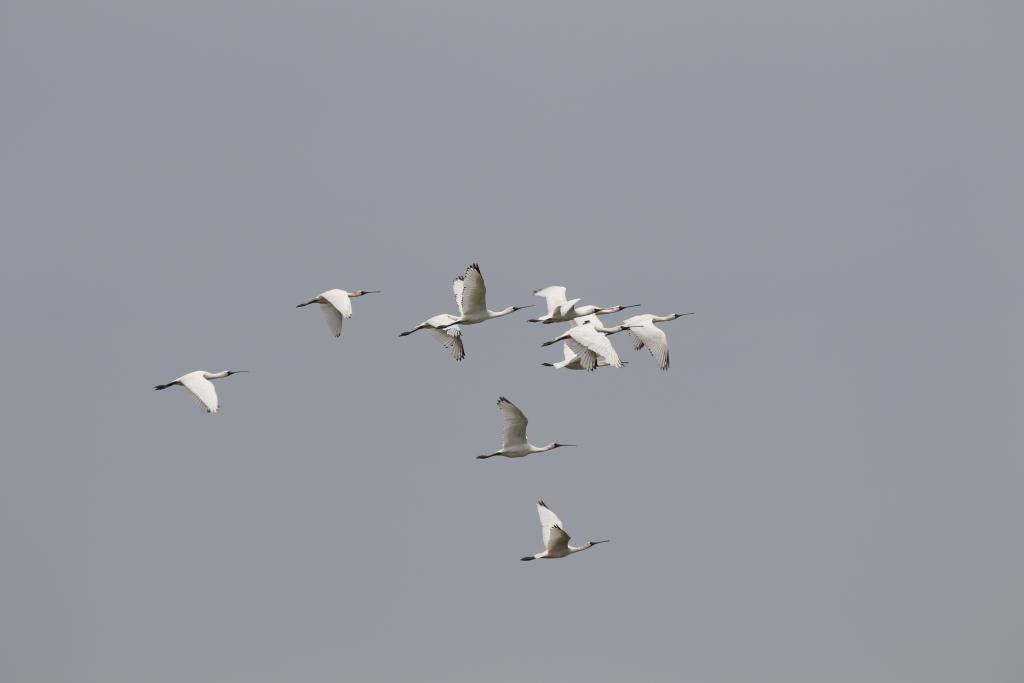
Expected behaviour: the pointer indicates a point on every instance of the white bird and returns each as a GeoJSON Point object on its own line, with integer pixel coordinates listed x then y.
{"type": "Point", "coordinates": [199, 385]}
{"type": "Point", "coordinates": [645, 333]}
{"type": "Point", "coordinates": [336, 305]}
{"type": "Point", "coordinates": [588, 341]}
{"type": "Point", "coordinates": [471, 298]}
{"type": "Point", "coordinates": [572, 361]}
{"type": "Point", "coordinates": [443, 328]}
{"type": "Point", "coordinates": [556, 540]}
{"type": "Point", "coordinates": [562, 311]}
{"type": "Point", "coordinates": [514, 443]}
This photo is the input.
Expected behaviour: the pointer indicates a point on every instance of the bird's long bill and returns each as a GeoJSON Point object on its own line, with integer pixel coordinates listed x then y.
{"type": "Point", "coordinates": [596, 542]}
{"type": "Point", "coordinates": [371, 291]}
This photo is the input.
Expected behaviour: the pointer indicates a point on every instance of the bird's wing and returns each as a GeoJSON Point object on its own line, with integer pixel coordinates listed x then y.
{"type": "Point", "coordinates": [514, 432]}
{"type": "Point", "coordinates": [588, 359]}
{"type": "Point", "coordinates": [458, 284]}
{"type": "Point", "coordinates": [654, 339]}
{"type": "Point", "coordinates": [548, 520]}
{"type": "Point", "coordinates": [472, 294]}
{"type": "Point", "coordinates": [567, 352]}
{"type": "Point", "coordinates": [339, 299]}
{"type": "Point", "coordinates": [555, 297]}
{"type": "Point", "coordinates": [596, 342]}
{"type": "Point", "coordinates": [557, 539]}
{"type": "Point", "coordinates": [202, 390]}
{"type": "Point", "coordinates": [333, 318]}
{"type": "Point", "coordinates": [451, 339]}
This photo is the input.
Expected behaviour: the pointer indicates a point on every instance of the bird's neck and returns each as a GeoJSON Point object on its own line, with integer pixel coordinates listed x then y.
{"type": "Point", "coordinates": [504, 311]}
{"type": "Point", "coordinates": [217, 375]}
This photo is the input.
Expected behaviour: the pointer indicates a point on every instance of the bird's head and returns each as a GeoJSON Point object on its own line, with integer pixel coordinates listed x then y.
{"type": "Point", "coordinates": [593, 543]}
{"type": "Point", "coordinates": [361, 292]}
{"type": "Point", "coordinates": [560, 445]}
{"type": "Point", "coordinates": [680, 315]}
{"type": "Point", "coordinates": [519, 308]}
{"type": "Point", "coordinates": [233, 372]}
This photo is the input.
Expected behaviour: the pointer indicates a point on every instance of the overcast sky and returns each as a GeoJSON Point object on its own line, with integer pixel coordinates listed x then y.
{"type": "Point", "coordinates": [825, 487]}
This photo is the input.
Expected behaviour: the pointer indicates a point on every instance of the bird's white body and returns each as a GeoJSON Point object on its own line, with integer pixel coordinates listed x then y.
{"type": "Point", "coordinates": [645, 333]}
{"type": "Point", "coordinates": [588, 340]}
{"type": "Point", "coordinates": [200, 387]}
{"type": "Point", "coordinates": [471, 298]}
{"type": "Point", "coordinates": [561, 310]}
{"type": "Point", "coordinates": [556, 540]}
{"type": "Point", "coordinates": [336, 305]}
{"type": "Point", "coordinates": [514, 443]}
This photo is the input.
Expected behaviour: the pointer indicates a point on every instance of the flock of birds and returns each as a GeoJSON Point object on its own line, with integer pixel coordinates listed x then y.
{"type": "Point", "coordinates": [586, 346]}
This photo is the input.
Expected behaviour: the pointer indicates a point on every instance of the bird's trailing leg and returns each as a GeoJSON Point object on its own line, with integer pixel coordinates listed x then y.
{"type": "Point", "coordinates": [527, 558]}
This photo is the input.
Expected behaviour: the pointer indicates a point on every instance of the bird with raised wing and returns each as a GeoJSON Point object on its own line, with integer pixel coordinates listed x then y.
{"type": "Point", "coordinates": [588, 341]}
{"type": "Point", "coordinates": [199, 385]}
{"type": "Point", "coordinates": [336, 305]}
{"type": "Point", "coordinates": [556, 540]}
{"type": "Point", "coordinates": [514, 443]}
{"type": "Point", "coordinates": [471, 298]}
{"type": "Point", "coordinates": [562, 311]}
{"type": "Point", "coordinates": [645, 333]}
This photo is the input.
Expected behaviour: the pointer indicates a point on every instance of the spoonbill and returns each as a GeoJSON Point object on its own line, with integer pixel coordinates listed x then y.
{"type": "Point", "coordinates": [336, 305]}
{"type": "Point", "coordinates": [556, 540]}
{"type": "Point", "coordinates": [471, 298]}
{"type": "Point", "coordinates": [199, 385]}
{"type": "Point", "coordinates": [562, 311]}
{"type": "Point", "coordinates": [588, 341]}
{"type": "Point", "coordinates": [443, 328]}
{"type": "Point", "coordinates": [572, 361]}
{"type": "Point", "coordinates": [513, 437]}
{"type": "Point", "coordinates": [645, 333]}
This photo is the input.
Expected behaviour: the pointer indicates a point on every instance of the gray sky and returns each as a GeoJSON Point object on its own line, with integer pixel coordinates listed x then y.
{"type": "Point", "coordinates": [825, 487]}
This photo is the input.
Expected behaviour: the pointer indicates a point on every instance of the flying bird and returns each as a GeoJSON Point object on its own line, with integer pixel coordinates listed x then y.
{"type": "Point", "coordinates": [556, 540]}
{"type": "Point", "coordinates": [645, 333]}
{"type": "Point", "coordinates": [199, 385]}
{"type": "Point", "coordinates": [471, 298]}
{"type": "Point", "coordinates": [336, 305]}
{"type": "Point", "coordinates": [588, 341]}
{"type": "Point", "coordinates": [443, 328]}
{"type": "Point", "coordinates": [562, 311]}
{"type": "Point", "coordinates": [514, 443]}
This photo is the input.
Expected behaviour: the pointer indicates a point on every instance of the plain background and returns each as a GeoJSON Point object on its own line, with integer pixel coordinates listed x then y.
{"type": "Point", "coordinates": [825, 487]}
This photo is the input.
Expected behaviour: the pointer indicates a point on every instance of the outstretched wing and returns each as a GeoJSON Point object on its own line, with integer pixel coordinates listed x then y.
{"type": "Point", "coordinates": [202, 390]}
{"type": "Point", "coordinates": [548, 522]}
{"type": "Point", "coordinates": [514, 432]}
{"type": "Point", "coordinates": [567, 353]}
{"type": "Point", "coordinates": [596, 342]}
{"type": "Point", "coordinates": [470, 291]}
{"type": "Point", "coordinates": [451, 339]}
{"type": "Point", "coordinates": [588, 359]}
{"type": "Point", "coordinates": [654, 339]}
{"type": "Point", "coordinates": [339, 299]}
{"type": "Point", "coordinates": [558, 540]}
{"type": "Point", "coordinates": [554, 296]}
